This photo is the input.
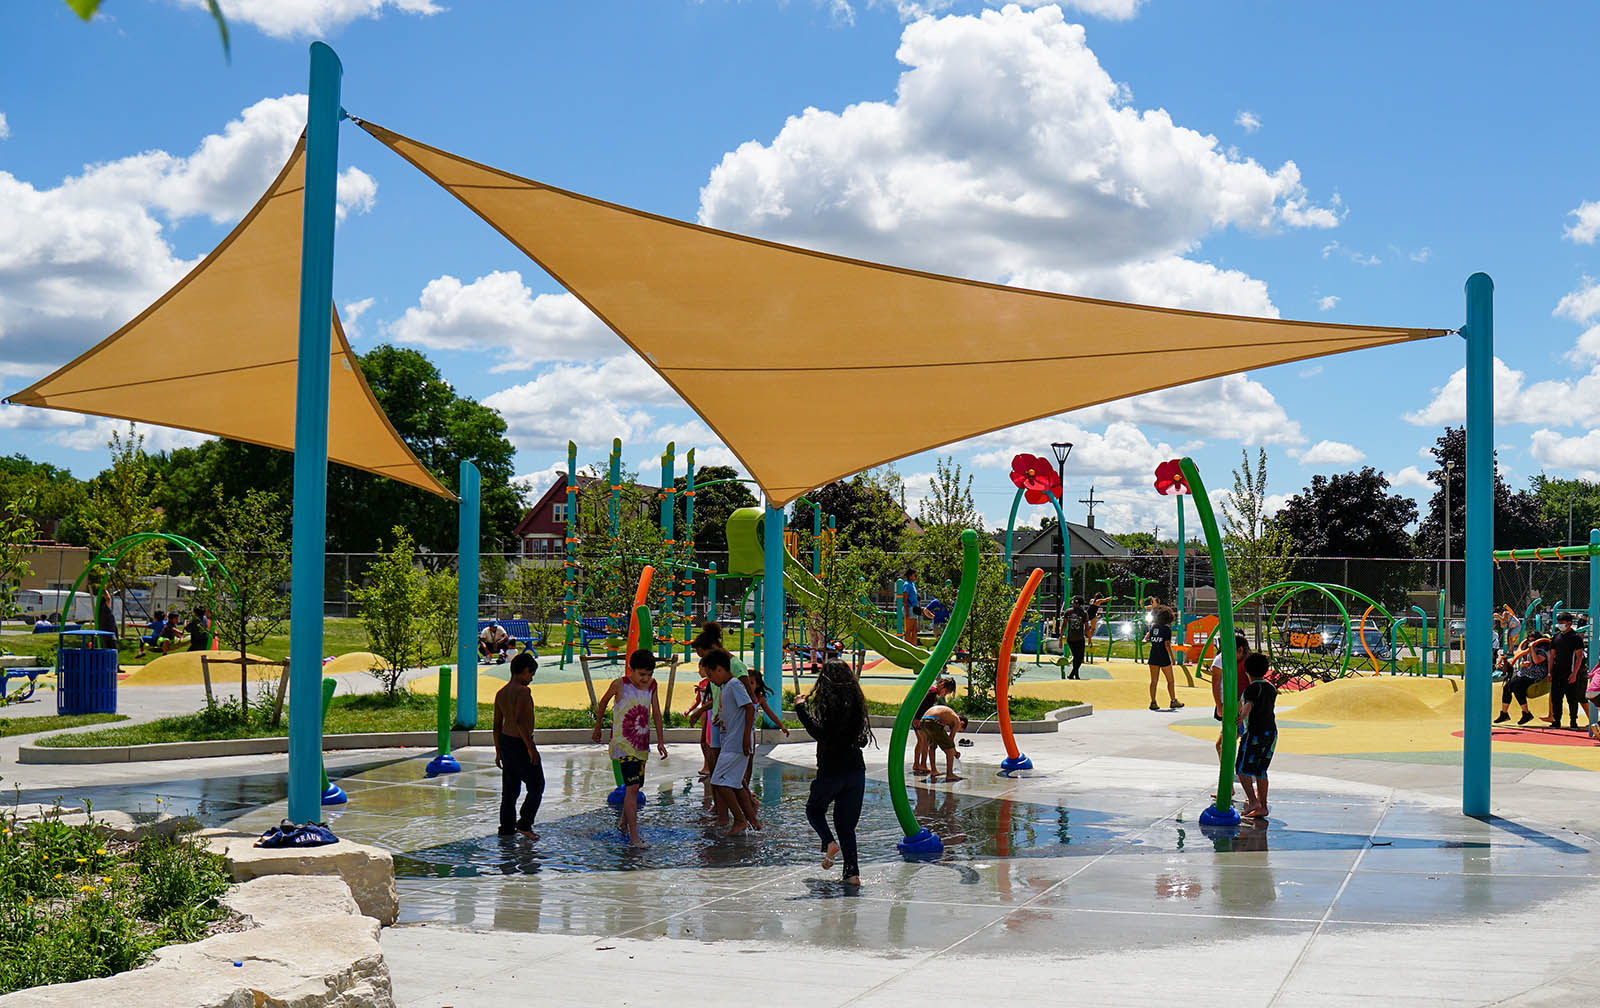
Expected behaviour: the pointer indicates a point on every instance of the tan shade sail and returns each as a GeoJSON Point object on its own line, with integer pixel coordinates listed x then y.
{"type": "Point", "coordinates": [217, 354]}
{"type": "Point", "coordinates": [811, 366]}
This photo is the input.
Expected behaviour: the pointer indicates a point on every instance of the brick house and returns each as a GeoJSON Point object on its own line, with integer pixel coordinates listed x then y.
{"type": "Point", "coordinates": [542, 532]}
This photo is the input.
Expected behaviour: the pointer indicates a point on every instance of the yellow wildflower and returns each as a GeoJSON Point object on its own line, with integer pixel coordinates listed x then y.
{"type": "Point", "coordinates": [101, 852]}
{"type": "Point", "coordinates": [86, 888]}
{"type": "Point", "coordinates": [82, 860]}
{"type": "Point", "coordinates": [58, 874]}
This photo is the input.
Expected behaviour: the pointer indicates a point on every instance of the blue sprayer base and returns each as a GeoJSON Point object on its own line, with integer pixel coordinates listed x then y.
{"type": "Point", "coordinates": [619, 793]}
{"type": "Point", "coordinates": [442, 764]}
{"type": "Point", "coordinates": [925, 844]}
{"type": "Point", "coordinates": [1011, 765]}
{"type": "Point", "coordinates": [1212, 816]}
{"type": "Point", "coordinates": [334, 795]}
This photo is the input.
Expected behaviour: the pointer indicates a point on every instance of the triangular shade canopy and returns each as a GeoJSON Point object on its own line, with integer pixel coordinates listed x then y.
{"type": "Point", "coordinates": [811, 367]}
{"type": "Point", "coordinates": [217, 354]}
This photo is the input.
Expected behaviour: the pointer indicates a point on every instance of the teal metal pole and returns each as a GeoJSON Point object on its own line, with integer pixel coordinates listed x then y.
{"type": "Point", "coordinates": [467, 563]}
{"type": "Point", "coordinates": [816, 540]}
{"type": "Point", "coordinates": [1183, 626]}
{"type": "Point", "coordinates": [1479, 554]}
{"type": "Point", "coordinates": [688, 538]}
{"type": "Point", "coordinates": [569, 554]}
{"type": "Point", "coordinates": [1594, 595]}
{"type": "Point", "coordinates": [310, 524]}
{"type": "Point", "coordinates": [773, 601]}
{"type": "Point", "coordinates": [1011, 524]}
{"type": "Point", "coordinates": [614, 490]}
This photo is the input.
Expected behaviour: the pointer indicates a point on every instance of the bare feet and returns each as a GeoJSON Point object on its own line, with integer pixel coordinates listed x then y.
{"type": "Point", "coordinates": [953, 777]}
{"type": "Point", "coordinates": [530, 834]}
{"type": "Point", "coordinates": [830, 854]}
{"type": "Point", "coordinates": [638, 841]}
{"type": "Point", "coordinates": [738, 830]}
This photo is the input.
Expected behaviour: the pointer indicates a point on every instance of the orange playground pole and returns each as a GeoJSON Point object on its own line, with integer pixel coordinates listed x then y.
{"type": "Point", "coordinates": [1014, 760]}
{"type": "Point", "coordinates": [633, 612]}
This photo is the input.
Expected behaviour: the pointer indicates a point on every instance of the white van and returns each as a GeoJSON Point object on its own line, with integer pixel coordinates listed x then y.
{"type": "Point", "coordinates": [76, 606]}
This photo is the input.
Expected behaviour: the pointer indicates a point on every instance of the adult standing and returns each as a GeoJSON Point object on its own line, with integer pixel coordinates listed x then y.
{"type": "Point", "coordinates": [913, 606]}
{"type": "Point", "coordinates": [199, 630]}
{"type": "Point", "coordinates": [514, 751]}
{"type": "Point", "coordinates": [835, 714]}
{"type": "Point", "coordinates": [1080, 619]}
{"type": "Point", "coordinates": [1567, 679]}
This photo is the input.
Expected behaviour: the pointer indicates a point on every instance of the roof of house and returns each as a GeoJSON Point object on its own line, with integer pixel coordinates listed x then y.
{"type": "Point", "coordinates": [558, 489]}
{"type": "Point", "coordinates": [1097, 541]}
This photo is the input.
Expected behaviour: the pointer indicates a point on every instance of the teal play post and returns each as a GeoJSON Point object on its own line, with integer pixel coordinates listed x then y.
{"type": "Point", "coordinates": [310, 523]}
{"type": "Point", "coordinates": [1183, 626]}
{"type": "Point", "coordinates": [444, 763]}
{"type": "Point", "coordinates": [1594, 592]}
{"type": "Point", "coordinates": [1479, 553]}
{"type": "Point", "coordinates": [467, 545]}
{"type": "Point", "coordinates": [569, 555]}
{"type": "Point", "coordinates": [688, 539]}
{"type": "Point", "coordinates": [772, 601]}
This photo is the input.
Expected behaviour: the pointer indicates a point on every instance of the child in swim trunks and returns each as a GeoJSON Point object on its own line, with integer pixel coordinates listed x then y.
{"type": "Point", "coordinates": [941, 725]}
{"type": "Point", "coordinates": [1258, 735]}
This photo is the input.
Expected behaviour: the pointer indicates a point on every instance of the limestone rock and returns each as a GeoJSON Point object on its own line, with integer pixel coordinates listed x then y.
{"type": "Point", "coordinates": [331, 961]}
{"type": "Point", "coordinates": [368, 871]}
{"type": "Point", "coordinates": [284, 899]}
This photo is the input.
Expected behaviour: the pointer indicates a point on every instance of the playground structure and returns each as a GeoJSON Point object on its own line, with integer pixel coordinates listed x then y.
{"type": "Point", "coordinates": [1535, 620]}
{"type": "Point", "coordinates": [827, 314]}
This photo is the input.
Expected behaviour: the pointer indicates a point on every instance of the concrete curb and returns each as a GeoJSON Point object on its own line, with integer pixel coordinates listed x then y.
{"type": "Point", "coordinates": [1052, 722]}
{"type": "Point", "coordinates": [159, 751]}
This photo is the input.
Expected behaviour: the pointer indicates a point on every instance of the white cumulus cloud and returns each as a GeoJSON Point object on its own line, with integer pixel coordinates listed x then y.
{"type": "Point", "coordinates": [304, 18]}
{"type": "Point", "coordinates": [1007, 153]}
{"type": "Point", "coordinates": [5, 127]}
{"type": "Point", "coordinates": [498, 313]}
{"type": "Point", "coordinates": [1111, 10]}
{"type": "Point", "coordinates": [80, 258]}
{"type": "Point", "coordinates": [1328, 303]}
{"type": "Point", "coordinates": [1410, 476]}
{"type": "Point", "coordinates": [578, 401]}
{"type": "Point", "coordinates": [1331, 453]}
{"type": "Point", "coordinates": [1247, 121]}
{"type": "Point", "coordinates": [1584, 229]}
{"type": "Point", "coordinates": [1579, 454]}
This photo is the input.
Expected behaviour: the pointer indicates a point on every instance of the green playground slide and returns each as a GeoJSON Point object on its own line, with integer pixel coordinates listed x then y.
{"type": "Point", "coordinates": [802, 584]}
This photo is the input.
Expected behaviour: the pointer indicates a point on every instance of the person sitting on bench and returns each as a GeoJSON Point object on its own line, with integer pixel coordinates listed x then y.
{"type": "Point", "coordinates": [494, 643]}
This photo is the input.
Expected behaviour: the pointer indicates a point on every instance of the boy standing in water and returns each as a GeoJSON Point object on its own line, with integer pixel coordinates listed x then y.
{"type": "Point", "coordinates": [736, 714]}
{"type": "Point", "coordinates": [637, 706]}
{"type": "Point", "coordinates": [514, 751]}
{"type": "Point", "coordinates": [1258, 736]}
{"type": "Point", "coordinates": [941, 724]}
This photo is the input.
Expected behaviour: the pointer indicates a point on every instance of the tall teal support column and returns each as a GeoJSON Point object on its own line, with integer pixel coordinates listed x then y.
{"type": "Point", "coordinates": [772, 601]}
{"type": "Point", "coordinates": [1183, 545]}
{"type": "Point", "coordinates": [1594, 595]}
{"type": "Point", "coordinates": [569, 557]}
{"type": "Point", "coordinates": [467, 545]}
{"type": "Point", "coordinates": [1479, 553]}
{"type": "Point", "coordinates": [310, 524]}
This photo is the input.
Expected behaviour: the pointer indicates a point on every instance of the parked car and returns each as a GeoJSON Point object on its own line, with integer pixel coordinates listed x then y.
{"type": "Point", "coordinates": [1334, 643]}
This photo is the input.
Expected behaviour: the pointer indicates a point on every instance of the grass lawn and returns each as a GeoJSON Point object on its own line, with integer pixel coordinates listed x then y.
{"type": "Point", "coordinates": [10, 726]}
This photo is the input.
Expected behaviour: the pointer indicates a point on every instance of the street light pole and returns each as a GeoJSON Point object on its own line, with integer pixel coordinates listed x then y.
{"type": "Point", "coordinates": [1444, 616]}
{"type": "Point", "coordinates": [1061, 449]}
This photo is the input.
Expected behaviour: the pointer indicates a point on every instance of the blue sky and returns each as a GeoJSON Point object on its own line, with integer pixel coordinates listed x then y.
{"type": "Point", "coordinates": [1351, 163]}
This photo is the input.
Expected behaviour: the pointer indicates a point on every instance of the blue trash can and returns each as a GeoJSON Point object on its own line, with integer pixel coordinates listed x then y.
{"type": "Point", "coordinates": [86, 673]}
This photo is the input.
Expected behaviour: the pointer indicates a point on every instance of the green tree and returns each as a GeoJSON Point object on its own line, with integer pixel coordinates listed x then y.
{"type": "Point", "coordinates": [392, 605]}
{"type": "Point", "coordinates": [53, 496]}
{"type": "Point", "coordinates": [87, 9]}
{"type": "Point", "coordinates": [250, 603]}
{"type": "Point", "coordinates": [1353, 514]}
{"type": "Point", "coordinates": [992, 602]}
{"type": "Point", "coordinates": [439, 612]}
{"type": "Point", "coordinates": [535, 593]}
{"type": "Point", "coordinates": [17, 532]}
{"type": "Point", "coordinates": [1257, 548]}
{"type": "Point", "coordinates": [712, 506]}
{"type": "Point", "coordinates": [867, 508]}
{"type": "Point", "coordinates": [122, 502]}
{"type": "Point", "coordinates": [946, 512]}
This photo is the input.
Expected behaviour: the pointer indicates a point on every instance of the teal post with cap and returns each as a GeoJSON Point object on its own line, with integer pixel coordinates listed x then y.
{"type": "Point", "coordinates": [467, 562]}
{"type": "Point", "coordinates": [1479, 552]}
{"type": "Point", "coordinates": [310, 523]}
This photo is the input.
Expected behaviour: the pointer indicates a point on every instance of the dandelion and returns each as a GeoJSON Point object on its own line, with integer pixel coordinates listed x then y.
{"type": "Point", "coordinates": [58, 874]}
{"type": "Point", "coordinates": [86, 888]}
{"type": "Point", "coordinates": [101, 852]}
{"type": "Point", "coordinates": [82, 860]}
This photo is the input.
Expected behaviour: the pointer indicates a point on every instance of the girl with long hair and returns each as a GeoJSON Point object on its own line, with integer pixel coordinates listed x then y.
{"type": "Point", "coordinates": [835, 714]}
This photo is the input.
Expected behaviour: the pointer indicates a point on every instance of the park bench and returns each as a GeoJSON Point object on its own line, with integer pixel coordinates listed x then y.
{"type": "Point", "coordinates": [519, 630]}
{"type": "Point", "coordinates": [30, 673]}
{"type": "Point", "coordinates": [593, 628]}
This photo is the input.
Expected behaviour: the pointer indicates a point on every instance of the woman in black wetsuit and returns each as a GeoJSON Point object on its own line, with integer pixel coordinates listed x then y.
{"type": "Point", "coordinates": [835, 714]}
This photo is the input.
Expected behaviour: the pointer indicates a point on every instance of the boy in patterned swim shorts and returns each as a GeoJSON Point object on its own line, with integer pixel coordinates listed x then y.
{"type": "Point", "coordinates": [1258, 735]}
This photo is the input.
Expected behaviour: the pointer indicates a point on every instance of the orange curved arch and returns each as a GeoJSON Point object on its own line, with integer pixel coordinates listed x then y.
{"type": "Point", "coordinates": [1002, 677]}
{"type": "Point", "coordinates": [633, 611]}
